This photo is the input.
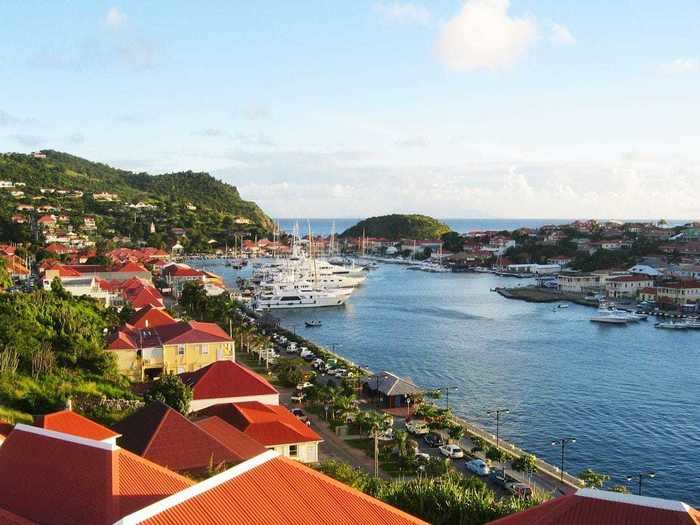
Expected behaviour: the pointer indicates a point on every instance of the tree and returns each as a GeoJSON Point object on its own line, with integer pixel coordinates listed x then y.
{"type": "Point", "coordinates": [376, 423]}
{"type": "Point", "coordinates": [452, 241]}
{"type": "Point", "coordinates": [456, 433]}
{"type": "Point", "coordinates": [290, 372]}
{"type": "Point", "coordinates": [402, 443]}
{"type": "Point", "coordinates": [5, 279]}
{"type": "Point", "coordinates": [525, 463]}
{"type": "Point", "coordinates": [194, 299]}
{"type": "Point", "coordinates": [478, 443]}
{"type": "Point", "coordinates": [593, 479]}
{"type": "Point", "coordinates": [170, 389]}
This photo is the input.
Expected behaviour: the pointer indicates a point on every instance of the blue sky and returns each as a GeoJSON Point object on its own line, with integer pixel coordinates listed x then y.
{"type": "Point", "coordinates": [353, 108]}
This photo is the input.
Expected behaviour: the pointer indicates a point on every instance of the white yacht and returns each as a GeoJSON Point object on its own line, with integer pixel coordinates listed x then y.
{"type": "Point", "coordinates": [290, 298]}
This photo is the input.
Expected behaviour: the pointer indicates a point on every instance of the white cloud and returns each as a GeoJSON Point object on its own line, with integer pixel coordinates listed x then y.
{"type": "Point", "coordinates": [560, 34]}
{"type": "Point", "coordinates": [485, 36]}
{"type": "Point", "coordinates": [403, 12]}
{"type": "Point", "coordinates": [115, 18]}
{"type": "Point", "coordinates": [682, 66]}
{"type": "Point", "coordinates": [412, 142]}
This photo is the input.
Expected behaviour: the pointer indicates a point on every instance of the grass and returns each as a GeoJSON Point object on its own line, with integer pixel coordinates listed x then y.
{"type": "Point", "coordinates": [14, 416]}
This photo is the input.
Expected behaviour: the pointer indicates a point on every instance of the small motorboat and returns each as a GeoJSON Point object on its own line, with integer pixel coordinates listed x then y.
{"type": "Point", "coordinates": [312, 324]}
{"type": "Point", "coordinates": [562, 305]}
{"type": "Point", "coordinates": [673, 325]}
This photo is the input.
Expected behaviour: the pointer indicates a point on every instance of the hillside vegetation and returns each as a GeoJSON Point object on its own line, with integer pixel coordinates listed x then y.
{"type": "Point", "coordinates": [395, 227]}
{"type": "Point", "coordinates": [206, 207]}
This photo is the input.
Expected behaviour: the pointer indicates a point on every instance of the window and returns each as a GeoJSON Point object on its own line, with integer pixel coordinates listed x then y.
{"type": "Point", "coordinates": [181, 350]}
{"type": "Point", "coordinates": [293, 451]}
{"type": "Point", "coordinates": [204, 349]}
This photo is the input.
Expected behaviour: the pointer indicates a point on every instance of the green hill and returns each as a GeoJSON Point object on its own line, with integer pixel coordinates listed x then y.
{"type": "Point", "coordinates": [395, 227]}
{"type": "Point", "coordinates": [196, 202]}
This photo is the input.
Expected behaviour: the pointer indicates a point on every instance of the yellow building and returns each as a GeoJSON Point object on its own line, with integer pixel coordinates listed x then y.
{"type": "Point", "coordinates": [175, 348]}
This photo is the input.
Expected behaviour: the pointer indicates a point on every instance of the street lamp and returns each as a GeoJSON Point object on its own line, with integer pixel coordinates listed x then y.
{"type": "Point", "coordinates": [497, 412]}
{"type": "Point", "coordinates": [447, 394]}
{"type": "Point", "coordinates": [563, 442]}
{"type": "Point", "coordinates": [641, 476]}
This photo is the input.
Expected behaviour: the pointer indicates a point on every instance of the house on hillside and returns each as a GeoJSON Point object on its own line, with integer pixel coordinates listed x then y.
{"type": "Point", "coordinates": [176, 348]}
{"type": "Point", "coordinates": [273, 426]}
{"type": "Point", "coordinates": [228, 382]}
{"type": "Point", "coordinates": [151, 430]}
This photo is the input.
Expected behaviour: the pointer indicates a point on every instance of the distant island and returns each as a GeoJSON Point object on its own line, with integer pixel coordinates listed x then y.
{"type": "Point", "coordinates": [399, 226]}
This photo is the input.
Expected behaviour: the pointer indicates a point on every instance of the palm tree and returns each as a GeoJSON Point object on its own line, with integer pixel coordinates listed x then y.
{"type": "Point", "coordinates": [377, 423]}
{"type": "Point", "coordinates": [456, 433]}
{"type": "Point", "coordinates": [401, 440]}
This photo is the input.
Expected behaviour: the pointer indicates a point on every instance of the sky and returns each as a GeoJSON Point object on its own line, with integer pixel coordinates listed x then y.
{"type": "Point", "coordinates": [352, 108]}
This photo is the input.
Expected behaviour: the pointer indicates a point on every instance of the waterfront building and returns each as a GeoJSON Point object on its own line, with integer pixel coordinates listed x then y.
{"type": "Point", "coordinates": [162, 435]}
{"type": "Point", "coordinates": [392, 391]}
{"type": "Point", "coordinates": [600, 507]}
{"type": "Point", "coordinates": [273, 426]}
{"type": "Point", "coordinates": [227, 382]}
{"type": "Point", "coordinates": [627, 286]}
{"type": "Point", "coordinates": [537, 269]}
{"type": "Point", "coordinates": [172, 348]}
{"type": "Point", "coordinates": [678, 293]}
{"type": "Point", "coordinates": [579, 283]}
{"type": "Point", "coordinates": [647, 294]}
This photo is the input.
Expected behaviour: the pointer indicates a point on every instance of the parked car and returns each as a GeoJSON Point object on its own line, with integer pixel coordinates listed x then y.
{"type": "Point", "coordinates": [500, 478]}
{"type": "Point", "coordinates": [451, 451]}
{"type": "Point", "coordinates": [422, 456]}
{"type": "Point", "coordinates": [521, 490]}
{"type": "Point", "coordinates": [478, 467]}
{"type": "Point", "coordinates": [433, 439]}
{"type": "Point", "coordinates": [387, 435]}
{"type": "Point", "coordinates": [304, 385]}
{"type": "Point", "coordinates": [417, 427]}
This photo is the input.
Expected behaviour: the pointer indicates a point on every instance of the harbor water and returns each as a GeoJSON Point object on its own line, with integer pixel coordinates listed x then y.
{"type": "Point", "coordinates": [630, 394]}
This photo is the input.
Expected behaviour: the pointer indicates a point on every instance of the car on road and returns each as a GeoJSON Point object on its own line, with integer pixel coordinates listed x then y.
{"type": "Point", "coordinates": [500, 478]}
{"type": "Point", "coordinates": [478, 467]}
{"type": "Point", "coordinates": [433, 439]}
{"type": "Point", "coordinates": [417, 427]}
{"type": "Point", "coordinates": [299, 413]}
{"type": "Point", "coordinates": [422, 456]}
{"type": "Point", "coordinates": [304, 385]}
{"type": "Point", "coordinates": [452, 451]}
{"type": "Point", "coordinates": [521, 490]}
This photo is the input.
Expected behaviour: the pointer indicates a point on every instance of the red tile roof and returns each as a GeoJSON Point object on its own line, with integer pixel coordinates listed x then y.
{"type": "Point", "coordinates": [590, 506]}
{"type": "Point", "coordinates": [244, 446]}
{"type": "Point", "coordinates": [223, 379]}
{"type": "Point", "coordinates": [9, 518]}
{"type": "Point", "coordinates": [277, 491]}
{"type": "Point", "coordinates": [192, 332]}
{"type": "Point", "coordinates": [132, 267]}
{"type": "Point", "coordinates": [150, 317]}
{"type": "Point", "coordinates": [73, 423]}
{"type": "Point", "coordinates": [54, 478]}
{"type": "Point", "coordinates": [166, 437]}
{"type": "Point", "coordinates": [181, 270]}
{"type": "Point", "coordinates": [270, 425]}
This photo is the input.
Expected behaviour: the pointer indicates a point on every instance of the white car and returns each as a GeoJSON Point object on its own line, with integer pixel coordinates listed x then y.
{"type": "Point", "coordinates": [417, 427]}
{"type": "Point", "coordinates": [422, 456]}
{"type": "Point", "coordinates": [451, 451]}
{"type": "Point", "coordinates": [478, 467]}
{"type": "Point", "coordinates": [304, 385]}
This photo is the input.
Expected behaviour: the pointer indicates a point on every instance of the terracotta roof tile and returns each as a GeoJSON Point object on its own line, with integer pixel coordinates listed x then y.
{"type": "Point", "coordinates": [223, 379]}
{"type": "Point", "coordinates": [244, 446]}
{"type": "Point", "coordinates": [49, 478]}
{"type": "Point", "coordinates": [162, 435]}
{"type": "Point", "coordinates": [282, 492]}
{"type": "Point", "coordinates": [589, 506]}
{"type": "Point", "coordinates": [73, 423]}
{"type": "Point", "coordinates": [150, 317]}
{"type": "Point", "coordinates": [268, 424]}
